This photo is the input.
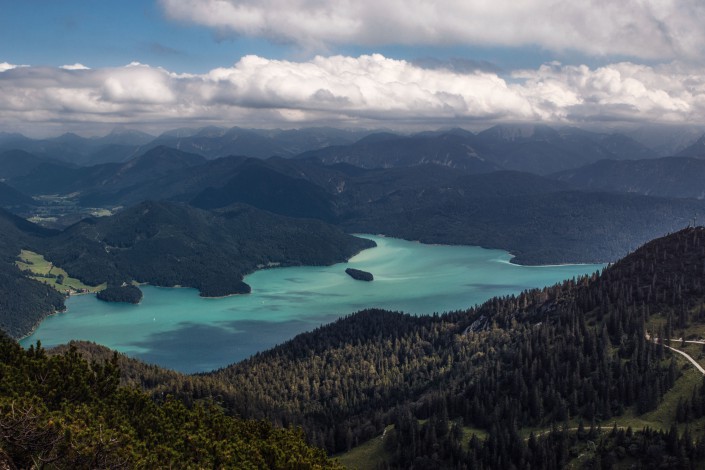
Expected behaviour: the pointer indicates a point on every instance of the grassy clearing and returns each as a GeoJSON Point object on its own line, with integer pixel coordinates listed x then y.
{"type": "Point", "coordinates": [368, 454]}
{"type": "Point", "coordinates": [45, 271]}
{"type": "Point", "coordinates": [469, 432]}
{"type": "Point", "coordinates": [696, 351]}
{"type": "Point", "coordinates": [663, 416]}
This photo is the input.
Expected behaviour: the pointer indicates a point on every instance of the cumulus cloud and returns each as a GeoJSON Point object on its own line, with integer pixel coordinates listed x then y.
{"type": "Point", "coordinates": [7, 66]}
{"type": "Point", "coordinates": [370, 90]}
{"type": "Point", "coordinates": [75, 66]}
{"type": "Point", "coordinates": [655, 29]}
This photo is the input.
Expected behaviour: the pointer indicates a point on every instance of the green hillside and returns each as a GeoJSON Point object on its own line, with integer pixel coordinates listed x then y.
{"type": "Point", "coordinates": [61, 411]}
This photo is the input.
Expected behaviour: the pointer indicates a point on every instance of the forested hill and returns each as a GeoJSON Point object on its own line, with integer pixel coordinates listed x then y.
{"type": "Point", "coordinates": [169, 244]}
{"type": "Point", "coordinates": [23, 301]}
{"type": "Point", "coordinates": [575, 351]}
{"type": "Point", "coordinates": [61, 411]}
{"type": "Point", "coordinates": [12, 197]}
{"type": "Point", "coordinates": [164, 244]}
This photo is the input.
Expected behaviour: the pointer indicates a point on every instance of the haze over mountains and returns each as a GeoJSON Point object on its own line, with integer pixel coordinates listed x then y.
{"type": "Point", "coordinates": [535, 149]}
{"type": "Point", "coordinates": [518, 147]}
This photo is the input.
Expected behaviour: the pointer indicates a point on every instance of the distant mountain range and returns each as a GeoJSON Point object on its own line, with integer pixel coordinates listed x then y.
{"type": "Point", "coordinates": [214, 142]}
{"type": "Point", "coordinates": [51, 176]}
{"type": "Point", "coordinates": [666, 140]}
{"type": "Point", "coordinates": [697, 149]}
{"type": "Point", "coordinates": [210, 142]}
{"type": "Point", "coordinates": [437, 187]}
{"type": "Point", "coordinates": [119, 145]}
{"type": "Point", "coordinates": [10, 197]}
{"type": "Point", "coordinates": [682, 177]}
{"type": "Point", "coordinates": [534, 148]}
{"type": "Point", "coordinates": [572, 216]}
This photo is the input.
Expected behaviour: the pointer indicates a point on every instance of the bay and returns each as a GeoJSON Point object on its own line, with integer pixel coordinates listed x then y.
{"type": "Point", "coordinates": [175, 328]}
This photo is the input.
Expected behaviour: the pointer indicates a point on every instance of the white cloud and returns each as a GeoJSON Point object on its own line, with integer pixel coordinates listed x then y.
{"type": "Point", "coordinates": [369, 90]}
{"type": "Point", "coordinates": [622, 91]}
{"type": "Point", "coordinates": [137, 84]}
{"type": "Point", "coordinates": [75, 66]}
{"type": "Point", "coordinates": [4, 66]}
{"type": "Point", "coordinates": [655, 29]}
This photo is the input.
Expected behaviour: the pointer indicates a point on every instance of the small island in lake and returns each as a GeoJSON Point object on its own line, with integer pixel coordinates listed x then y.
{"type": "Point", "coordinates": [359, 274]}
{"type": "Point", "coordinates": [128, 294]}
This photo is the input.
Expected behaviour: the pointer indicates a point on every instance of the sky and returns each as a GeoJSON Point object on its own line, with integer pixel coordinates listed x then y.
{"type": "Point", "coordinates": [89, 66]}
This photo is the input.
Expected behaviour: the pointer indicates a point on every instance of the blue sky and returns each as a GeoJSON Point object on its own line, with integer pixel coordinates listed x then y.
{"type": "Point", "coordinates": [369, 63]}
{"type": "Point", "coordinates": [113, 33]}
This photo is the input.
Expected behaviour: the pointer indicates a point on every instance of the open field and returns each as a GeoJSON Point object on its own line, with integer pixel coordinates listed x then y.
{"type": "Point", "coordinates": [45, 271]}
{"type": "Point", "coordinates": [368, 454]}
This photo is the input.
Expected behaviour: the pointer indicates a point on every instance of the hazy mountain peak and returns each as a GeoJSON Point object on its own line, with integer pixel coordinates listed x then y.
{"type": "Point", "coordinates": [512, 132]}
{"type": "Point", "coordinates": [68, 137]}
{"type": "Point", "coordinates": [378, 137]}
{"type": "Point", "coordinates": [697, 149]}
{"type": "Point", "coordinates": [12, 136]}
{"type": "Point", "coordinates": [161, 159]}
{"type": "Point", "coordinates": [126, 136]}
{"type": "Point", "coordinates": [212, 131]}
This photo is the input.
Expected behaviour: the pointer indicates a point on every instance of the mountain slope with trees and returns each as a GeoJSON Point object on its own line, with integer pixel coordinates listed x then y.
{"type": "Point", "coordinates": [165, 244]}
{"type": "Point", "coordinates": [23, 301]}
{"type": "Point", "coordinates": [575, 351]}
{"type": "Point", "coordinates": [535, 374]}
{"type": "Point", "coordinates": [169, 244]}
{"type": "Point", "coordinates": [10, 197]}
{"type": "Point", "coordinates": [539, 219]}
{"type": "Point", "coordinates": [681, 177]}
{"type": "Point", "coordinates": [61, 411]}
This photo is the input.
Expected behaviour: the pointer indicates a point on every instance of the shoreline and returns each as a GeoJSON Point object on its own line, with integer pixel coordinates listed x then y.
{"type": "Point", "coordinates": [511, 259]}
{"type": "Point", "coordinates": [39, 322]}
{"type": "Point", "coordinates": [502, 260]}
{"type": "Point", "coordinates": [342, 301]}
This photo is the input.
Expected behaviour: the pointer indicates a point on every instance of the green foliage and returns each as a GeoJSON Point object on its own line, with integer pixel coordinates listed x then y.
{"type": "Point", "coordinates": [23, 302]}
{"type": "Point", "coordinates": [128, 293]}
{"type": "Point", "coordinates": [169, 244]}
{"type": "Point", "coordinates": [60, 411]}
{"type": "Point", "coordinates": [574, 351]}
{"type": "Point", "coordinates": [359, 274]}
{"type": "Point", "coordinates": [164, 244]}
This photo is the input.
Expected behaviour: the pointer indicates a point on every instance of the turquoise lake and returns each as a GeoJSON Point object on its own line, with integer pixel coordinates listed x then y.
{"type": "Point", "coordinates": [176, 328]}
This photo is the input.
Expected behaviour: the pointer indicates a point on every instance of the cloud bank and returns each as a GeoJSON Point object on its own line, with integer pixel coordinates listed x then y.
{"type": "Point", "coordinates": [370, 90]}
{"type": "Point", "coordinates": [653, 29]}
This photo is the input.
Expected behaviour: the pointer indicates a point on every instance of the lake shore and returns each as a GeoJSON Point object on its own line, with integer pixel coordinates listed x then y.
{"type": "Point", "coordinates": [177, 328]}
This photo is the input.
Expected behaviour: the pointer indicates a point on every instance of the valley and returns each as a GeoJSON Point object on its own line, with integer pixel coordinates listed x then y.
{"type": "Point", "coordinates": [507, 317]}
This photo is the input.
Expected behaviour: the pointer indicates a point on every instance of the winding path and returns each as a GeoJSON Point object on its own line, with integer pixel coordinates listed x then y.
{"type": "Point", "coordinates": [684, 354]}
